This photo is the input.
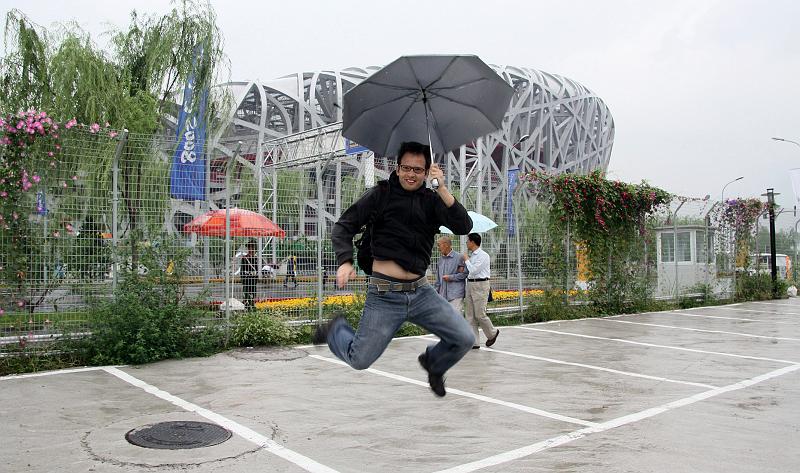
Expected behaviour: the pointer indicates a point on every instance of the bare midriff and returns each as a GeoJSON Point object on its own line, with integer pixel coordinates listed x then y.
{"type": "Point", "coordinates": [390, 268]}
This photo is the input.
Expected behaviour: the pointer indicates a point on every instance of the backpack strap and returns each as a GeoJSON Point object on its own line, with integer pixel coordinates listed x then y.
{"type": "Point", "coordinates": [383, 199]}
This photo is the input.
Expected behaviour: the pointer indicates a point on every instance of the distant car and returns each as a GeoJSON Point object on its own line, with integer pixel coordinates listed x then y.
{"type": "Point", "coordinates": [759, 264]}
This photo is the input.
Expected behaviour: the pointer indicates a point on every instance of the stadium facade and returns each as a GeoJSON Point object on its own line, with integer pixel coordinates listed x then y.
{"type": "Point", "coordinates": [553, 124]}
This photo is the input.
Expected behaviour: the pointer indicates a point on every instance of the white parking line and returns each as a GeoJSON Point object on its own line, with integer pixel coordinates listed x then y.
{"type": "Point", "coordinates": [622, 340]}
{"type": "Point", "coordinates": [600, 368]}
{"type": "Point", "coordinates": [594, 367]}
{"type": "Point", "coordinates": [698, 330]}
{"type": "Point", "coordinates": [51, 373]}
{"type": "Point", "coordinates": [518, 453]}
{"type": "Point", "coordinates": [244, 432]}
{"type": "Point", "coordinates": [787, 304]}
{"type": "Point", "coordinates": [678, 312]}
{"type": "Point", "coordinates": [458, 392]}
{"type": "Point", "coordinates": [747, 310]}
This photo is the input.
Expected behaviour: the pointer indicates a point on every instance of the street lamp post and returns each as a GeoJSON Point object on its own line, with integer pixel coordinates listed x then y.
{"type": "Point", "coordinates": [785, 140]}
{"type": "Point", "coordinates": [722, 197]}
{"type": "Point", "coordinates": [731, 261]}
{"type": "Point", "coordinates": [519, 254]}
{"type": "Point", "coordinates": [509, 215]}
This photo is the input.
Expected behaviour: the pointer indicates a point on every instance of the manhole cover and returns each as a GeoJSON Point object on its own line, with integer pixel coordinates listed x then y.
{"type": "Point", "coordinates": [178, 435]}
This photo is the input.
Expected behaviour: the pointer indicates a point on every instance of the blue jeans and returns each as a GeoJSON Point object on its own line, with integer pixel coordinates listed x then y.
{"type": "Point", "coordinates": [385, 312]}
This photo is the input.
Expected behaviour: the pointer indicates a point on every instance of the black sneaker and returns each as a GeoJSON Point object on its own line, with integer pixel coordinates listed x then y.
{"type": "Point", "coordinates": [491, 341]}
{"type": "Point", "coordinates": [320, 336]}
{"type": "Point", "coordinates": [436, 381]}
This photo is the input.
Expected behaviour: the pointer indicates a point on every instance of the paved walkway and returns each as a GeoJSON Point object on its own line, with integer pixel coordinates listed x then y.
{"type": "Point", "coordinates": [700, 390]}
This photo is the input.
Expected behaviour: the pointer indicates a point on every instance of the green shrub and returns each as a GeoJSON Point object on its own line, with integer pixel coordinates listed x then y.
{"type": "Point", "coordinates": [552, 306]}
{"type": "Point", "coordinates": [687, 302]}
{"type": "Point", "coordinates": [410, 330]}
{"type": "Point", "coordinates": [134, 331]}
{"type": "Point", "coordinates": [45, 358]}
{"type": "Point", "coordinates": [149, 318]}
{"type": "Point", "coordinates": [351, 312]}
{"type": "Point", "coordinates": [263, 327]}
{"type": "Point", "coordinates": [703, 294]}
{"type": "Point", "coordinates": [758, 287]}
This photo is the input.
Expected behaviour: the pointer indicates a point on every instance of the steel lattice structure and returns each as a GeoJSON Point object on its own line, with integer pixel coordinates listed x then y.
{"type": "Point", "coordinates": [295, 120]}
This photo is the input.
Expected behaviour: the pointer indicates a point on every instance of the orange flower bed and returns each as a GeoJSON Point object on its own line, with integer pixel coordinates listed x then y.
{"type": "Point", "coordinates": [511, 295]}
{"type": "Point", "coordinates": [299, 303]}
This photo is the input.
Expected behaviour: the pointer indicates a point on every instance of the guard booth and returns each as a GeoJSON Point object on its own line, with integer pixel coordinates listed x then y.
{"type": "Point", "coordinates": [686, 259]}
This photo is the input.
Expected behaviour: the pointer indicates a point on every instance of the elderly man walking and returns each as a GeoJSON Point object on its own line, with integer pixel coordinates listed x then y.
{"type": "Point", "coordinates": [451, 274]}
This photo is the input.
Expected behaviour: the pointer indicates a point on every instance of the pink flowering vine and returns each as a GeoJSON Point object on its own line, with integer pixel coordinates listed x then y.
{"type": "Point", "coordinates": [30, 149]}
{"type": "Point", "coordinates": [608, 218]}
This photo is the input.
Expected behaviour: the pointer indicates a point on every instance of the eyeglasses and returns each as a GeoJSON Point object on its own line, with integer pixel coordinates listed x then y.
{"type": "Point", "coordinates": [415, 169]}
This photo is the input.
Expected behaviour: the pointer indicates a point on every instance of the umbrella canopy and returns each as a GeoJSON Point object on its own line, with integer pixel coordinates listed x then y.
{"type": "Point", "coordinates": [480, 223]}
{"type": "Point", "coordinates": [450, 99]}
{"type": "Point", "coordinates": [244, 223]}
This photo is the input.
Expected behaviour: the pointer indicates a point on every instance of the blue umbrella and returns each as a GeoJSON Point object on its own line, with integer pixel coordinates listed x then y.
{"type": "Point", "coordinates": [480, 223]}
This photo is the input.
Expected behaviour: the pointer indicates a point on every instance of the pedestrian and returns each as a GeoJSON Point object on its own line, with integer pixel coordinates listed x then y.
{"type": "Point", "coordinates": [404, 216]}
{"type": "Point", "coordinates": [291, 271]}
{"type": "Point", "coordinates": [451, 274]}
{"type": "Point", "coordinates": [249, 274]}
{"type": "Point", "coordinates": [478, 288]}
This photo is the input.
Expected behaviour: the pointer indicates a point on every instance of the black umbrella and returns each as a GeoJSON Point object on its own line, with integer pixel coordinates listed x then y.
{"type": "Point", "coordinates": [446, 101]}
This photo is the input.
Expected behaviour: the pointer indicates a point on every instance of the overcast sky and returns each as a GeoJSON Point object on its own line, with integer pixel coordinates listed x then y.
{"type": "Point", "coordinates": [696, 87]}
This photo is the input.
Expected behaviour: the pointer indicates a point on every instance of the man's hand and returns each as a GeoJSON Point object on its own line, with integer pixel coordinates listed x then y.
{"type": "Point", "coordinates": [446, 277]}
{"type": "Point", "coordinates": [344, 274]}
{"type": "Point", "coordinates": [435, 172]}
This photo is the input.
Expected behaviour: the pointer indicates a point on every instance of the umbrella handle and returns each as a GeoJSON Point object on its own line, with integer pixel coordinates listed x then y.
{"type": "Point", "coordinates": [434, 181]}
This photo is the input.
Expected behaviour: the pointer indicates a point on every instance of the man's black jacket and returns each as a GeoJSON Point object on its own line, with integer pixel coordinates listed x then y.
{"type": "Point", "coordinates": [404, 231]}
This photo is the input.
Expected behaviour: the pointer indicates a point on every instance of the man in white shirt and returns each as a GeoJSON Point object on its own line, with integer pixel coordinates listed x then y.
{"type": "Point", "coordinates": [478, 287]}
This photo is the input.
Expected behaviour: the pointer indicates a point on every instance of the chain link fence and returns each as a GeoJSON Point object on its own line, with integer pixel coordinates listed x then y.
{"type": "Point", "coordinates": [105, 210]}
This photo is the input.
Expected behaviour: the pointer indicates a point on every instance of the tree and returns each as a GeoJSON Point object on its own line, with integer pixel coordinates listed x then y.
{"type": "Point", "coordinates": [129, 87]}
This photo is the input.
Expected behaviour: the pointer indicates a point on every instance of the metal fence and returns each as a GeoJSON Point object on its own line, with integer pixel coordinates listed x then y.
{"type": "Point", "coordinates": [107, 204]}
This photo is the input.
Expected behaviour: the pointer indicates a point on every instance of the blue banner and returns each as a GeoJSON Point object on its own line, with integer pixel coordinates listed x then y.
{"type": "Point", "coordinates": [41, 203]}
{"type": "Point", "coordinates": [188, 175]}
{"type": "Point", "coordinates": [351, 147]}
{"type": "Point", "coordinates": [513, 180]}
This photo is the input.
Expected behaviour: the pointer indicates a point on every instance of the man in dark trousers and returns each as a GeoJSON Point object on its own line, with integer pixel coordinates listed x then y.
{"type": "Point", "coordinates": [405, 216]}
{"type": "Point", "coordinates": [249, 274]}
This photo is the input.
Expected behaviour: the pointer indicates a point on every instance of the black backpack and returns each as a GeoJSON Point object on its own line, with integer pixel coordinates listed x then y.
{"type": "Point", "coordinates": [364, 244]}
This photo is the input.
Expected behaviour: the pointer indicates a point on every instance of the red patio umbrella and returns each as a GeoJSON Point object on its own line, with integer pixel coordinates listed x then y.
{"type": "Point", "coordinates": [244, 223]}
